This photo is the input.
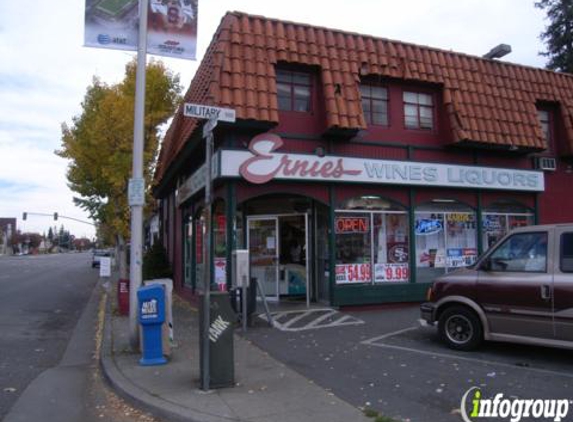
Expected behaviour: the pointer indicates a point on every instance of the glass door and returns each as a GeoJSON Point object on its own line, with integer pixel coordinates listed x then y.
{"type": "Point", "coordinates": [264, 253]}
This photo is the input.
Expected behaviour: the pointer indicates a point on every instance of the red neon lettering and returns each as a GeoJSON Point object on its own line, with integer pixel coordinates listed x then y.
{"type": "Point", "coordinates": [263, 146]}
{"type": "Point", "coordinates": [351, 225]}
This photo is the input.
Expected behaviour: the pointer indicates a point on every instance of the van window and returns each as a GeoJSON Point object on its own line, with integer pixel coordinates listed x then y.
{"type": "Point", "coordinates": [566, 263]}
{"type": "Point", "coordinates": [522, 252]}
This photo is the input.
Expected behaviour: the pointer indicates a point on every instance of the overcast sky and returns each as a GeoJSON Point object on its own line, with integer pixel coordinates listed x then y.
{"type": "Point", "coordinates": [44, 71]}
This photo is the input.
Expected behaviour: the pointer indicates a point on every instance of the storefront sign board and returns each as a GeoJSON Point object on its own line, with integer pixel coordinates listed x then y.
{"type": "Point", "coordinates": [263, 163]}
{"type": "Point", "coordinates": [195, 182]}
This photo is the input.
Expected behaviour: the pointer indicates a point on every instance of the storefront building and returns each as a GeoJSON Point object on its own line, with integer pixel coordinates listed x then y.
{"type": "Point", "coordinates": [358, 168]}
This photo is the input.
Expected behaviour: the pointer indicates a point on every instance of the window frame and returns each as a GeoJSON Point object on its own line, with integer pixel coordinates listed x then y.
{"type": "Point", "coordinates": [561, 255]}
{"type": "Point", "coordinates": [370, 258]}
{"type": "Point", "coordinates": [369, 117]}
{"type": "Point", "coordinates": [499, 246]}
{"type": "Point", "coordinates": [292, 85]}
{"type": "Point", "coordinates": [419, 106]}
{"type": "Point", "coordinates": [550, 134]}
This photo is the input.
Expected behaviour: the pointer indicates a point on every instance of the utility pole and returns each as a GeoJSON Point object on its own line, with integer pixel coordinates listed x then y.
{"type": "Point", "coordinates": [137, 182]}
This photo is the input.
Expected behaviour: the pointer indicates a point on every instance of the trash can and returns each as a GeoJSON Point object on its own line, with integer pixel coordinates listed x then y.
{"type": "Point", "coordinates": [123, 296]}
{"type": "Point", "coordinates": [237, 299]}
{"type": "Point", "coordinates": [151, 301]}
{"type": "Point", "coordinates": [221, 345]}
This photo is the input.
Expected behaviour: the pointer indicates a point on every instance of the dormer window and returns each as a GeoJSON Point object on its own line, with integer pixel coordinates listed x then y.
{"type": "Point", "coordinates": [544, 117]}
{"type": "Point", "coordinates": [294, 91]}
{"type": "Point", "coordinates": [375, 104]}
{"type": "Point", "coordinates": [418, 110]}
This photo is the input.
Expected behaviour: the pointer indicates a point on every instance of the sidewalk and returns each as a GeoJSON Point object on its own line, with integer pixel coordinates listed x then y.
{"type": "Point", "coordinates": [266, 390]}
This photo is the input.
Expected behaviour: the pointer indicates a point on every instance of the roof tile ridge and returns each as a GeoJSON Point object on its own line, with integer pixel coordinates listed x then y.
{"type": "Point", "coordinates": [403, 43]}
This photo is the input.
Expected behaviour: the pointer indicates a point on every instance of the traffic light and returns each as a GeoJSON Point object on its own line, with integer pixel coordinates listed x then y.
{"type": "Point", "coordinates": [55, 216]}
{"type": "Point", "coordinates": [24, 215]}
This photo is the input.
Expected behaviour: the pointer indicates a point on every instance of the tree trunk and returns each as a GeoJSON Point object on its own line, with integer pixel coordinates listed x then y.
{"type": "Point", "coordinates": [122, 258]}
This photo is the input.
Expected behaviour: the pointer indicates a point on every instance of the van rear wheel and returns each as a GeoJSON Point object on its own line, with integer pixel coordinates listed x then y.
{"type": "Point", "coordinates": [460, 328]}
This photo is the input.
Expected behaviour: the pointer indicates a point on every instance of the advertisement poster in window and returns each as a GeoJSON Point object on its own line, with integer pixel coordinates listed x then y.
{"type": "Point", "coordinates": [221, 274]}
{"type": "Point", "coordinates": [353, 273]}
{"type": "Point", "coordinates": [199, 243]}
{"type": "Point", "coordinates": [396, 268]}
{"type": "Point", "coordinates": [433, 258]}
{"type": "Point", "coordinates": [516, 221]}
{"type": "Point", "coordinates": [391, 273]}
{"type": "Point", "coordinates": [494, 229]}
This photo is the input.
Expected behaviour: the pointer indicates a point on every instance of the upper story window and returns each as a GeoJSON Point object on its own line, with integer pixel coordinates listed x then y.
{"type": "Point", "coordinates": [294, 91]}
{"type": "Point", "coordinates": [418, 110]}
{"type": "Point", "coordinates": [545, 121]}
{"type": "Point", "coordinates": [375, 104]}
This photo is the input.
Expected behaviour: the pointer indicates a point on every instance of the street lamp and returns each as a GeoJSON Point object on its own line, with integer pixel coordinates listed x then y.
{"type": "Point", "coordinates": [498, 51]}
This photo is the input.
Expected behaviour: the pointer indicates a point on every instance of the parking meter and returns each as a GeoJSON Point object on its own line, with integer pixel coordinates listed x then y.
{"type": "Point", "coordinates": [151, 301]}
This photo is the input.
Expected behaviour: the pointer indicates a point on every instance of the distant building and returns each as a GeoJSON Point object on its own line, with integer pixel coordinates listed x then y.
{"type": "Point", "coordinates": [359, 168]}
{"type": "Point", "coordinates": [7, 229]}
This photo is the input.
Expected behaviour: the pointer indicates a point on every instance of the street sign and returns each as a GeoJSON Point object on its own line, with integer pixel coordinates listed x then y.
{"type": "Point", "coordinates": [201, 111]}
{"type": "Point", "coordinates": [136, 191]}
{"type": "Point", "coordinates": [105, 266]}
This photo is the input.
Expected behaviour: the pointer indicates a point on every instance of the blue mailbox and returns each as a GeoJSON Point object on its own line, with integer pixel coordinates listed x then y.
{"type": "Point", "coordinates": [151, 317]}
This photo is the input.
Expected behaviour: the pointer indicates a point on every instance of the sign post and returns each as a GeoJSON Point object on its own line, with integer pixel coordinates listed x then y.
{"type": "Point", "coordinates": [214, 114]}
{"type": "Point", "coordinates": [208, 135]}
{"type": "Point", "coordinates": [136, 189]}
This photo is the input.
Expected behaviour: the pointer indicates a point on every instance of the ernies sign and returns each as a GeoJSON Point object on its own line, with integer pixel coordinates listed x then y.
{"type": "Point", "coordinates": [263, 163]}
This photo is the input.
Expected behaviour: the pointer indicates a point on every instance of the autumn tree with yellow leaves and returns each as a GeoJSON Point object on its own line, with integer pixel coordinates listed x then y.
{"type": "Point", "coordinates": [99, 145]}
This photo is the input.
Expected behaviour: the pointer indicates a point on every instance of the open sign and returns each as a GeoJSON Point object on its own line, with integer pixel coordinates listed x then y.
{"type": "Point", "coordinates": [352, 225]}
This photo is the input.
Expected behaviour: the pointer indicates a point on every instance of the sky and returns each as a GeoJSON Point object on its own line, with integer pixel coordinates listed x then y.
{"type": "Point", "coordinates": [45, 70]}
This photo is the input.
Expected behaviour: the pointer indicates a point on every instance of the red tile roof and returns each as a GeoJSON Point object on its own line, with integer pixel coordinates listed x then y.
{"type": "Point", "coordinates": [487, 101]}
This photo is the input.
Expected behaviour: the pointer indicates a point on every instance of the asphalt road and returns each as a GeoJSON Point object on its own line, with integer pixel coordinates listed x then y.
{"type": "Point", "coordinates": [392, 365]}
{"type": "Point", "coordinates": [49, 322]}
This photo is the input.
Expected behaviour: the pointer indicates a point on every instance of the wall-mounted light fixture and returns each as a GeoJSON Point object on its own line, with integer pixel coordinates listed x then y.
{"type": "Point", "coordinates": [443, 201]}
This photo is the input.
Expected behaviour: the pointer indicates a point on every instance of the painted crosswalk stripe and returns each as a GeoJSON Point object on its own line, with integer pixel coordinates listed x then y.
{"type": "Point", "coordinates": [325, 318]}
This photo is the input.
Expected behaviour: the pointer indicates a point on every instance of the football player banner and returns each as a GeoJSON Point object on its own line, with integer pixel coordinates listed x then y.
{"type": "Point", "coordinates": [171, 26]}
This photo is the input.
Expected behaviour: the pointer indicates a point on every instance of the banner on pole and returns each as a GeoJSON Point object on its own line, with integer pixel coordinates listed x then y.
{"type": "Point", "coordinates": [172, 26]}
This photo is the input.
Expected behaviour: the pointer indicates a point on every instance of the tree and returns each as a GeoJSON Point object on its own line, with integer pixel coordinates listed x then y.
{"type": "Point", "coordinates": [558, 35]}
{"type": "Point", "coordinates": [99, 145]}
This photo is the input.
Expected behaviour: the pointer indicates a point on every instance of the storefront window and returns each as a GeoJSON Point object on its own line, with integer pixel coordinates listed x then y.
{"type": "Point", "coordinates": [371, 242]}
{"type": "Point", "coordinates": [390, 247]}
{"type": "Point", "coordinates": [353, 248]}
{"type": "Point", "coordinates": [188, 251]}
{"type": "Point", "coordinates": [446, 239]}
{"type": "Point", "coordinates": [199, 261]}
{"type": "Point", "coordinates": [220, 245]}
{"type": "Point", "coordinates": [499, 219]}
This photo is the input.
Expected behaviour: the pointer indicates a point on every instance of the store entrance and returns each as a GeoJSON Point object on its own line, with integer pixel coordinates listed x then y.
{"type": "Point", "coordinates": [279, 254]}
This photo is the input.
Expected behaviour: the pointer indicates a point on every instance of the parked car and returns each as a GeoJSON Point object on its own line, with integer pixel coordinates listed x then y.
{"type": "Point", "coordinates": [97, 254]}
{"type": "Point", "coordinates": [520, 290]}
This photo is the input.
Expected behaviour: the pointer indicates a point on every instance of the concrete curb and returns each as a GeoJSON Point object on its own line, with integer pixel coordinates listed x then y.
{"type": "Point", "coordinates": [127, 389]}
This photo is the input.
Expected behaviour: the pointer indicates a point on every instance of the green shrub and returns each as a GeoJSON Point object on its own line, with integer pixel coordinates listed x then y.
{"type": "Point", "coordinates": [155, 263]}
